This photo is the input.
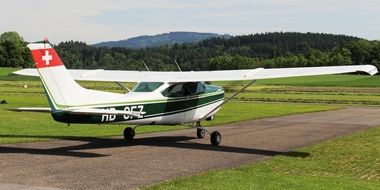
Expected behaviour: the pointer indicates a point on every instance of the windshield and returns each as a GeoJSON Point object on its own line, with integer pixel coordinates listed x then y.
{"type": "Point", "coordinates": [146, 86]}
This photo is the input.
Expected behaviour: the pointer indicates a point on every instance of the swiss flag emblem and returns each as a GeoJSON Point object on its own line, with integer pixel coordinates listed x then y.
{"type": "Point", "coordinates": [46, 58]}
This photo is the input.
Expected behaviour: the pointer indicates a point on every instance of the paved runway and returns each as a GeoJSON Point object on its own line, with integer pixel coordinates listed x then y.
{"type": "Point", "coordinates": [110, 163]}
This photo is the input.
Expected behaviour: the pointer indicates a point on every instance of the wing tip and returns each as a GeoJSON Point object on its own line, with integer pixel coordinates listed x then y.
{"type": "Point", "coordinates": [371, 70]}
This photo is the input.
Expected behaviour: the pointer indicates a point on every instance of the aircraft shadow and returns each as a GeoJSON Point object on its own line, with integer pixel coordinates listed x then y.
{"type": "Point", "coordinates": [162, 141]}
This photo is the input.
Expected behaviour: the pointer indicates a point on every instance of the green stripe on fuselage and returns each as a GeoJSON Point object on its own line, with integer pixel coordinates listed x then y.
{"type": "Point", "coordinates": [154, 109]}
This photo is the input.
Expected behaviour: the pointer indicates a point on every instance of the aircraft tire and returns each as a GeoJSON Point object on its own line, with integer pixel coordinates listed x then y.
{"type": "Point", "coordinates": [201, 133]}
{"type": "Point", "coordinates": [216, 138]}
{"type": "Point", "coordinates": [129, 133]}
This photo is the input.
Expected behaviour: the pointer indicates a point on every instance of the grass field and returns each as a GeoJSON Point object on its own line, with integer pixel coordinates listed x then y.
{"type": "Point", "coordinates": [327, 80]}
{"type": "Point", "coordinates": [4, 71]}
{"type": "Point", "coordinates": [351, 162]}
{"type": "Point", "coordinates": [339, 98]}
{"type": "Point", "coordinates": [263, 93]}
{"type": "Point", "coordinates": [256, 102]}
{"type": "Point", "coordinates": [27, 127]}
{"type": "Point", "coordinates": [322, 80]}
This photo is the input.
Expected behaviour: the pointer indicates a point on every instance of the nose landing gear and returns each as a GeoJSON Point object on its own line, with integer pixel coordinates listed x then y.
{"type": "Point", "coordinates": [129, 133]}
{"type": "Point", "coordinates": [215, 137]}
{"type": "Point", "coordinates": [201, 133]}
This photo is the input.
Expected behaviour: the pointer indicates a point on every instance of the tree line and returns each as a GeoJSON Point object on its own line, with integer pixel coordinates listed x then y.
{"type": "Point", "coordinates": [268, 50]}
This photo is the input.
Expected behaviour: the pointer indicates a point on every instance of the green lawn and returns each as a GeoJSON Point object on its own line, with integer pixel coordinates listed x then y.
{"type": "Point", "coordinates": [4, 71]}
{"type": "Point", "coordinates": [331, 89]}
{"type": "Point", "coordinates": [350, 162]}
{"type": "Point", "coordinates": [339, 98]}
{"type": "Point", "coordinates": [27, 127]}
{"type": "Point", "coordinates": [321, 80]}
{"type": "Point", "coordinates": [263, 93]}
{"type": "Point", "coordinates": [327, 80]}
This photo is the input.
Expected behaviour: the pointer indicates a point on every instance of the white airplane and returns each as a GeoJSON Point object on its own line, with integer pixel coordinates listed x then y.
{"type": "Point", "coordinates": [165, 98]}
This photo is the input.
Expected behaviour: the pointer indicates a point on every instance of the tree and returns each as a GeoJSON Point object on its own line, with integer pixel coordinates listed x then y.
{"type": "Point", "coordinates": [107, 61]}
{"type": "Point", "coordinates": [14, 51]}
{"type": "Point", "coordinates": [359, 51]}
{"type": "Point", "coordinates": [2, 57]}
{"type": "Point", "coordinates": [341, 57]}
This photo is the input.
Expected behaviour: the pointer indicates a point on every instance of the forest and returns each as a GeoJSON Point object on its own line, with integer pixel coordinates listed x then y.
{"type": "Point", "coordinates": [268, 50]}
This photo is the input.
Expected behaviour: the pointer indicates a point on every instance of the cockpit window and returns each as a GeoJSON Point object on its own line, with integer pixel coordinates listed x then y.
{"type": "Point", "coordinates": [146, 86]}
{"type": "Point", "coordinates": [185, 89]}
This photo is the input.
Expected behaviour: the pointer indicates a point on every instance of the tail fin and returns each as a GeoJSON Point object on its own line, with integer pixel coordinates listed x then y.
{"type": "Point", "coordinates": [60, 87]}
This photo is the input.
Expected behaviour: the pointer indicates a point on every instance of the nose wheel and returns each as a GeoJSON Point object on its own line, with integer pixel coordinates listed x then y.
{"type": "Point", "coordinates": [129, 133]}
{"type": "Point", "coordinates": [201, 133]}
{"type": "Point", "coordinates": [215, 137]}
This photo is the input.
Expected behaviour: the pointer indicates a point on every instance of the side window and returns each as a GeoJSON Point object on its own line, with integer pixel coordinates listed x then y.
{"type": "Point", "coordinates": [189, 88]}
{"type": "Point", "coordinates": [185, 89]}
{"type": "Point", "coordinates": [146, 86]}
{"type": "Point", "coordinates": [173, 91]}
{"type": "Point", "coordinates": [201, 88]}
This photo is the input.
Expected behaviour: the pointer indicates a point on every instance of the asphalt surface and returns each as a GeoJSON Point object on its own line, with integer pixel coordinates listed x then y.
{"type": "Point", "coordinates": [110, 163]}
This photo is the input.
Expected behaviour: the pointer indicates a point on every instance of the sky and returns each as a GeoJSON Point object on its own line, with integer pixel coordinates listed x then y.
{"type": "Point", "coordinates": [95, 21]}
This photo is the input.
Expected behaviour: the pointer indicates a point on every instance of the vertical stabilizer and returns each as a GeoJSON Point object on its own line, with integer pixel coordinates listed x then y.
{"type": "Point", "coordinates": [61, 89]}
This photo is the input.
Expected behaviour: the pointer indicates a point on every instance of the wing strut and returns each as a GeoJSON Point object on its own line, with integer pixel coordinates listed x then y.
{"type": "Point", "coordinates": [145, 65]}
{"type": "Point", "coordinates": [230, 98]}
{"type": "Point", "coordinates": [126, 89]}
{"type": "Point", "coordinates": [179, 68]}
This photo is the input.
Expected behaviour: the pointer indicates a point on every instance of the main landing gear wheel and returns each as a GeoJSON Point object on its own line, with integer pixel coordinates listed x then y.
{"type": "Point", "coordinates": [129, 133]}
{"type": "Point", "coordinates": [215, 138]}
{"type": "Point", "coordinates": [201, 133]}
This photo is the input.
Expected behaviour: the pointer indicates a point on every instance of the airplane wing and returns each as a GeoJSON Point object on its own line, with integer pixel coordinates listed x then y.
{"type": "Point", "coordinates": [191, 76]}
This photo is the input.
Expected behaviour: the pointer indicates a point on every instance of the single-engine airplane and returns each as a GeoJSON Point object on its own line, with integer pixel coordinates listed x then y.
{"type": "Point", "coordinates": [165, 98]}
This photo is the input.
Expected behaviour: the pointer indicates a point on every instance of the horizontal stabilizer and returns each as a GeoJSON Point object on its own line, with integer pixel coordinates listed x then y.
{"type": "Point", "coordinates": [91, 111]}
{"type": "Point", "coordinates": [27, 72]}
{"type": "Point", "coordinates": [36, 109]}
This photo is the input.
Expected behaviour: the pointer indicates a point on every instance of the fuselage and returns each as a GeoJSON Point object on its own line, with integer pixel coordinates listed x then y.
{"type": "Point", "coordinates": [156, 103]}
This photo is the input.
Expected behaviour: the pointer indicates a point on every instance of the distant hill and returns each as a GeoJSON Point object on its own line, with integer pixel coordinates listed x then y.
{"type": "Point", "coordinates": [161, 39]}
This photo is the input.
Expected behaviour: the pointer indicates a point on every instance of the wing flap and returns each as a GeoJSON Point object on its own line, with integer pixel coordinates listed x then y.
{"type": "Point", "coordinates": [224, 75]}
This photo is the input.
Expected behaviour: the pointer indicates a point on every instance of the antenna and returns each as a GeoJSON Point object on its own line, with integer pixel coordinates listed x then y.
{"type": "Point", "coordinates": [145, 65]}
{"type": "Point", "coordinates": [46, 40]}
{"type": "Point", "coordinates": [179, 68]}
